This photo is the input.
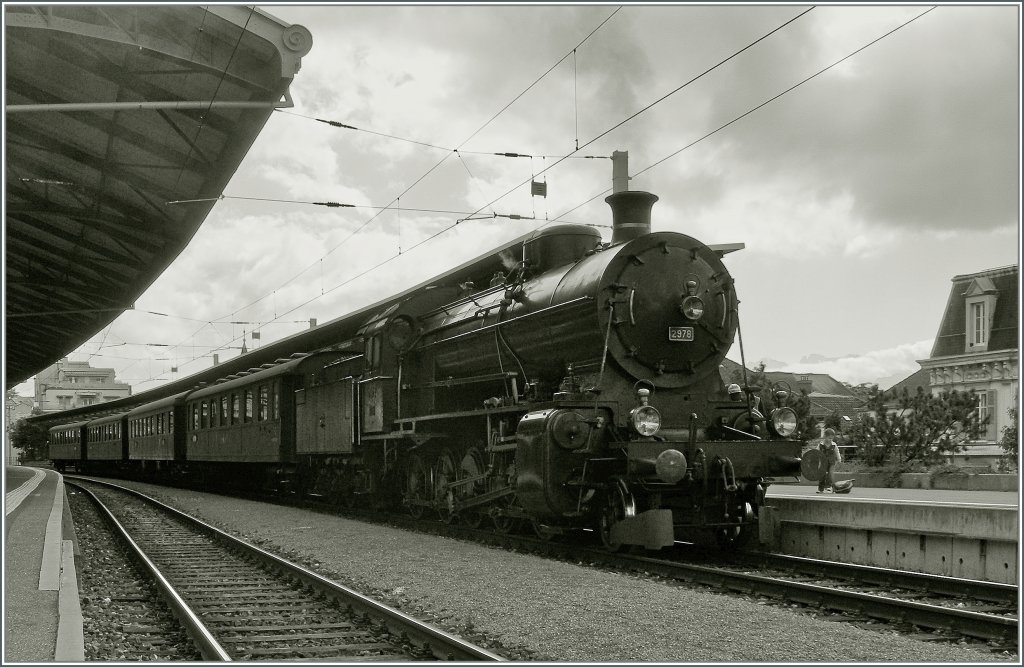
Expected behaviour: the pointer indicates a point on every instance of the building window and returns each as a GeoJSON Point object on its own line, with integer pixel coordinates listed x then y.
{"type": "Point", "coordinates": [980, 301]}
{"type": "Point", "coordinates": [987, 410]}
{"type": "Point", "coordinates": [978, 323]}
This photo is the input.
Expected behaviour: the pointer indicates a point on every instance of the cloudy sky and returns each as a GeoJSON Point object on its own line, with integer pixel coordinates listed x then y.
{"type": "Point", "coordinates": [858, 194]}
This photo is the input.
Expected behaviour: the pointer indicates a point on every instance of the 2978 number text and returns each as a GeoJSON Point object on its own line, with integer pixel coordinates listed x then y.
{"type": "Point", "coordinates": [680, 334]}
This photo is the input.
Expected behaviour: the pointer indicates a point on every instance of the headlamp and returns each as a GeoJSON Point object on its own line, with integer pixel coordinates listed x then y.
{"type": "Point", "coordinates": [645, 420]}
{"type": "Point", "coordinates": [783, 422]}
{"type": "Point", "coordinates": [692, 308]}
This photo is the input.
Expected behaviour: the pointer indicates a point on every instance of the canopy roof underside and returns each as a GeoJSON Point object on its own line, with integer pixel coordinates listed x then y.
{"type": "Point", "coordinates": [112, 113]}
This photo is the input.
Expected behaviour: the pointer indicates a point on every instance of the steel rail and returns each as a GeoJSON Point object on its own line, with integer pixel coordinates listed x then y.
{"type": "Point", "coordinates": [207, 645]}
{"type": "Point", "coordinates": [442, 645]}
{"type": "Point", "coordinates": [990, 591]}
{"type": "Point", "coordinates": [970, 623]}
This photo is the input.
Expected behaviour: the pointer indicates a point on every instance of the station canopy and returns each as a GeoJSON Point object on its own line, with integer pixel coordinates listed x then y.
{"type": "Point", "coordinates": [112, 112]}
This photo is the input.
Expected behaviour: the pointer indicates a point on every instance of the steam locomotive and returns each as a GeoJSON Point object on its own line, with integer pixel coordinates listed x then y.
{"type": "Point", "coordinates": [579, 391]}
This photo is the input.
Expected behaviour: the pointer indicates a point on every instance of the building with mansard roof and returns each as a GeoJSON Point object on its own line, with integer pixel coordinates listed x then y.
{"type": "Point", "coordinates": [977, 345]}
{"type": "Point", "coordinates": [74, 384]}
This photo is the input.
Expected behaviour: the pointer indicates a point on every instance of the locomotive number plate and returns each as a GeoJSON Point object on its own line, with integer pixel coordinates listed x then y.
{"type": "Point", "coordinates": [680, 334]}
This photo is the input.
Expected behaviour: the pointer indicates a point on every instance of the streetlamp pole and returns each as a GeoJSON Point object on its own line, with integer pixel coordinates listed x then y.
{"type": "Point", "coordinates": [8, 414]}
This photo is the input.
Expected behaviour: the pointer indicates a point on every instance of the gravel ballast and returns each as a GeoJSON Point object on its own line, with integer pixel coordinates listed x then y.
{"type": "Point", "coordinates": [538, 609]}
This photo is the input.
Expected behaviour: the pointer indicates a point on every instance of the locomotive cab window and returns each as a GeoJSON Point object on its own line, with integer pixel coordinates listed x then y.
{"type": "Point", "coordinates": [373, 353]}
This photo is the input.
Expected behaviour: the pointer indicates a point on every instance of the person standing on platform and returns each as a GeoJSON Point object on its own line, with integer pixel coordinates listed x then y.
{"type": "Point", "coordinates": [830, 451]}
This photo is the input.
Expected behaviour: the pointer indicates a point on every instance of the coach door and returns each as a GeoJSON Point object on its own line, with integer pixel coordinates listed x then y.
{"type": "Point", "coordinates": [326, 416]}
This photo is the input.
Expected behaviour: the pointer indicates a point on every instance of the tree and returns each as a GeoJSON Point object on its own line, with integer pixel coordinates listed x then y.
{"type": "Point", "coordinates": [862, 390]}
{"type": "Point", "coordinates": [1009, 442]}
{"type": "Point", "coordinates": [904, 427]}
{"type": "Point", "coordinates": [30, 438]}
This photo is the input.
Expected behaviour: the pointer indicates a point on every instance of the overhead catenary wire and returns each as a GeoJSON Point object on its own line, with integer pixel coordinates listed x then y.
{"type": "Point", "coordinates": [649, 167]}
{"type": "Point", "coordinates": [561, 159]}
{"type": "Point", "coordinates": [658, 101]}
{"type": "Point", "coordinates": [430, 170]}
{"type": "Point", "coordinates": [446, 229]}
{"type": "Point", "coordinates": [751, 110]}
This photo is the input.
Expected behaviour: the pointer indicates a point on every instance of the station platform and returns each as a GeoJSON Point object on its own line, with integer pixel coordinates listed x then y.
{"type": "Point", "coordinates": [954, 533]}
{"type": "Point", "coordinates": [42, 614]}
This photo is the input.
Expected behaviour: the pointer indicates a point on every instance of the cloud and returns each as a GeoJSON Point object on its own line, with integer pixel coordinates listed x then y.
{"type": "Point", "coordinates": [883, 367]}
{"type": "Point", "coordinates": [921, 130]}
{"type": "Point", "coordinates": [885, 175]}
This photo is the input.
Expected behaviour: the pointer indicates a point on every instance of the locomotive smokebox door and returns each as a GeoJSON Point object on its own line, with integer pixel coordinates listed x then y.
{"type": "Point", "coordinates": [673, 304]}
{"type": "Point", "coordinates": [812, 465]}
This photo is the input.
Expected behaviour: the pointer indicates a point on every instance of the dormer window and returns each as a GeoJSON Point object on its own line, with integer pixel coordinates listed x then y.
{"type": "Point", "coordinates": [980, 299]}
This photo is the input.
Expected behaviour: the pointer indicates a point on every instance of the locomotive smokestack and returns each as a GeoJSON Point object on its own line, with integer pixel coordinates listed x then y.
{"type": "Point", "coordinates": [631, 214]}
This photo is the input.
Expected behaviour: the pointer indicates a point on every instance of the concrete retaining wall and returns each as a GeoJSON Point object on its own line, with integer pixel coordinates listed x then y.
{"type": "Point", "coordinates": [940, 538]}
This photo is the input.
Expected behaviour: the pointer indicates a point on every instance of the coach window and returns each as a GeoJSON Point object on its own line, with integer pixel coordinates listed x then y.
{"type": "Point", "coordinates": [170, 422]}
{"type": "Point", "coordinates": [204, 410]}
{"type": "Point", "coordinates": [277, 400]}
{"type": "Point", "coordinates": [235, 409]}
{"type": "Point", "coordinates": [224, 419]}
{"type": "Point", "coordinates": [264, 403]}
{"type": "Point", "coordinates": [248, 406]}
{"type": "Point", "coordinates": [195, 416]}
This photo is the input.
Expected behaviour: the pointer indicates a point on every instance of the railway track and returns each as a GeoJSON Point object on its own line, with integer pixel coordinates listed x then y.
{"type": "Point", "coordinates": [924, 601]}
{"type": "Point", "coordinates": [943, 608]}
{"type": "Point", "coordinates": [955, 608]}
{"type": "Point", "coordinates": [239, 602]}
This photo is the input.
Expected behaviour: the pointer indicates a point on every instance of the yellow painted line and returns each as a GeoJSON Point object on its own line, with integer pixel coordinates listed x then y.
{"type": "Point", "coordinates": [14, 498]}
